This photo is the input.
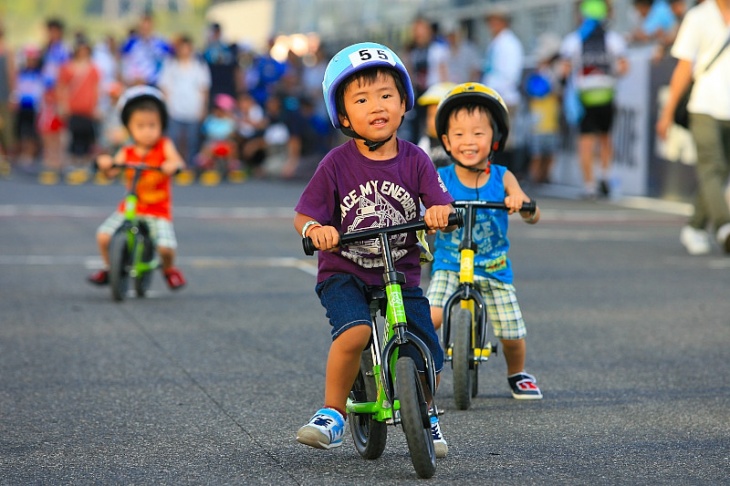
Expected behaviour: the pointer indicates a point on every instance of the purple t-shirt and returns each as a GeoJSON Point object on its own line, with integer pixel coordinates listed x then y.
{"type": "Point", "coordinates": [352, 192]}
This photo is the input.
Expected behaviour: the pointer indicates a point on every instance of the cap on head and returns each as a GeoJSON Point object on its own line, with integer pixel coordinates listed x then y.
{"type": "Point", "coordinates": [594, 9]}
{"type": "Point", "coordinates": [353, 59]}
{"type": "Point", "coordinates": [475, 93]}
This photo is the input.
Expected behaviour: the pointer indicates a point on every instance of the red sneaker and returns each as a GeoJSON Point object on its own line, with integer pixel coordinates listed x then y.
{"type": "Point", "coordinates": [175, 278]}
{"type": "Point", "coordinates": [99, 278]}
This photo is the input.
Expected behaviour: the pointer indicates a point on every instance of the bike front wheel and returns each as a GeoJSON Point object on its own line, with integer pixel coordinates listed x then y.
{"type": "Point", "coordinates": [415, 418]}
{"type": "Point", "coordinates": [462, 360]}
{"type": "Point", "coordinates": [144, 279]}
{"type": "Point", "coordinates": [119, 258]}
{"type": "Point", "coordinates": [368, 434]}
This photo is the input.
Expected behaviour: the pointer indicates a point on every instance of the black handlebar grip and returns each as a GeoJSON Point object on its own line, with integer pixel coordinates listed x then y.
{"type": "Point", "coordinates": [308, 245]}
{"type": "Point", "coordinates": [457, 219]}
{"type": "Point", "coordinates": [530, 207]}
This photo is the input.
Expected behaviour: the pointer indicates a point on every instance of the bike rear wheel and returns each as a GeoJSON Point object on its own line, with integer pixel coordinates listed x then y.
{"type": "Point", "coordinates": [368, 434]}
{"type": "Point", "coordinates": [462, 358]}
{"type": "Point", "coordinates": [119, 259]}
{"type": "Point", "coordinates": [415, 418]}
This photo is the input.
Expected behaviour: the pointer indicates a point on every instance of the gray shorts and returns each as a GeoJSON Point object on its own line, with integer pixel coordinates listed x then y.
{"type": "Point", "coordinates": [161, 230]}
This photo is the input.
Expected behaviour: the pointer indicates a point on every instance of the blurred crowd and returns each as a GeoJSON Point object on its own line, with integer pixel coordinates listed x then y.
{"type": "Point", "coordinates": [234, 108]}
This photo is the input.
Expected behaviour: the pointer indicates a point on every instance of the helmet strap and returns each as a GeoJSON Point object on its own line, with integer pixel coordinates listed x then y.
{"type": "Point", "coordinates": [370, 144]}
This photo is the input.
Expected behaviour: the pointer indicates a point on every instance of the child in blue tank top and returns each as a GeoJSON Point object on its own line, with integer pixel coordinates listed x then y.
{"type": "Point", "coordinates": [472, 123]}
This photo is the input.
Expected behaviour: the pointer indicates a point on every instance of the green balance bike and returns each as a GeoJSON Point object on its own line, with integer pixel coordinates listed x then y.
{"type": "Point", "coordinates": [465, 323]}
{"type": "Point", "coordinates": [388, 390]}
{"type": "Point", "coordinates": [132, 252]}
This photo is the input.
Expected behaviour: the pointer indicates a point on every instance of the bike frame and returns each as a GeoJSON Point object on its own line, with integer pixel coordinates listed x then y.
{"type": "Point", "coordinates": [133, 225]}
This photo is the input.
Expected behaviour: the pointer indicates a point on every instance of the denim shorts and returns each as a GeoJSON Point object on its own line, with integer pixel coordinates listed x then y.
{"type": "Point", "coordinates": [344, 298]}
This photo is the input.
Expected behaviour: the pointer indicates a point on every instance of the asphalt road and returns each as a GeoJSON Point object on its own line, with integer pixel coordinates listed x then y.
{"type": "Point", "coordinates": [628, 337]}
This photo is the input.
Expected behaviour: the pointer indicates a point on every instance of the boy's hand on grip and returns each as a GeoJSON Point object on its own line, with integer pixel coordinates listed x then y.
{"type": "Point", "coordinates": [324, 237]}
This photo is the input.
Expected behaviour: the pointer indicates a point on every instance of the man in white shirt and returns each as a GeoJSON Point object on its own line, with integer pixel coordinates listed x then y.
{"type": "Point", "coordinates": [702, 35]}
{"type": "Point", "coordinates": [503, 65]}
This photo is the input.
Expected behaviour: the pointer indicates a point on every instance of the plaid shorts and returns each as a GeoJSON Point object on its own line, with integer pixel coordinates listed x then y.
{"type": "Point", "coordinates": [161, 230]}
{"type": "Point", "coordinates": [500, 298]}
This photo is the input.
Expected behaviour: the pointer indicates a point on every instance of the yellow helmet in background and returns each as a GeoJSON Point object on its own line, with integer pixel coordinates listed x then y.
{"type": "Point", "coordinates": [435, 93]}
{"type": "Point", "coordinates": [479, 94]}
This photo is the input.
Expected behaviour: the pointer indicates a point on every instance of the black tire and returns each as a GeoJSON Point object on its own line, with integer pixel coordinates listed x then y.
{"type": "Point", "coordinates": [142, 282]}
{"type": "Point", "coordinates": [368, 434]}
{"type": "Point", "coordinates": [475, 380]}
{"type": "Point", "coordinates": [119, 265]}
{"type": "Point", "coordinates": [462, 358]}
{"type": "Point", "coordinates": [414, 417]}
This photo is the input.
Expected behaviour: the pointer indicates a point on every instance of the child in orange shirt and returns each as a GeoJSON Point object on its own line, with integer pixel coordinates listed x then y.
{"type": "Point", "coordinates": [144, 114]}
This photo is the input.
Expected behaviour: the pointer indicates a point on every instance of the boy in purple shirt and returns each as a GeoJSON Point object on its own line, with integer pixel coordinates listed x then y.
{"type": "Point", "coordinates": [373, 180]}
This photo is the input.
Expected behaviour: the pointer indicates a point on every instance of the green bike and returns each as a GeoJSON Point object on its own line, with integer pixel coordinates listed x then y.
{"type": "Point", "coordinates": [388, 390]}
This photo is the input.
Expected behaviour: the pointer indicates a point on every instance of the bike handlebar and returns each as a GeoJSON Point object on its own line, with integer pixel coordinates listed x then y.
{"type": "Point", "coordinates": [530, 207]}
{"type": "Point", "coordinates": [454, 219]}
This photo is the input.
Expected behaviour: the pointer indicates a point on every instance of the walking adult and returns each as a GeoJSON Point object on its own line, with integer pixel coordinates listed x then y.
{"type": "Point", "coordinates": [503, 66]}
{"type": "Point", "coordinates": [702, 35]}
{"type": "Point", "coordinates": [594, 58]}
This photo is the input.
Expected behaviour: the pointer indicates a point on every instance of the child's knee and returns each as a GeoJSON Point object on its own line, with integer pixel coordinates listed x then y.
{"type": "Point", "coordinates": [165, 251]}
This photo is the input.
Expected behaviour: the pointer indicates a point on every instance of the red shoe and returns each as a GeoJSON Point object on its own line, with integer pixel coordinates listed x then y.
{"type": "Point", "coordinates": [99, 278]}
{"type": "Point", "coordinates": [175, 278]}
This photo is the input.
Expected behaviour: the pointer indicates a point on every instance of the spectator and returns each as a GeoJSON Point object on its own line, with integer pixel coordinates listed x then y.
{"type": "Point", "coordinates": [264, 74]}
{"type": "Point", "coordinates": [105, 56]}
{"type": "Point", "coordinates": [594, 57]}
{"type": "Point", "coordinates": [78, 97]}
{"type": "Point", "coordinates": [655, 20]}
{"type": "Point", "coordinates": [50, 125]}
{"type": "Point", "coordinates": [503, 65]}
{"type": "Point", "coordinates": [222, 60]}
{"type": "Point", "coordinates": [250, 125]}
{"type": "Point", "coordinates": [464, 62]}
{"type": "Point", "coordinates": [7, 79]}
{"type": "Point", "coordinates": [315, 64]}
{"type": "Point", "coordinates": [143, 53]}
{"type": "Point", "coordinates": [112, 134]}
{"type": "Point", "coordinates": [679, 9]}
{"type": "Point", "coordinates": [26, 102]}
{"type": "Point", "coordinates": [426, 61]}
{"type": "Point", "coordinates": [308, 141]}
{"type": "Point", "coordinates": [702, 35]}
{"type": "Point", "coordinates": [186, 82]}
{"type": "Point", "coordinates": [543, 95]}
{"type": "Point", "coordinates": [218, 152]}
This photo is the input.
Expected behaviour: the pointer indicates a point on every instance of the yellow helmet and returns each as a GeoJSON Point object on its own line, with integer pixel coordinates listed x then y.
{"type": "Point", "coordinates": [435, 93]}
{"type": "Point", "coordinates": [479, 94]}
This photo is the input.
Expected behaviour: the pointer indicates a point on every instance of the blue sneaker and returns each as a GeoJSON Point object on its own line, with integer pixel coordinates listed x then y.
{"type": "Point", "coordinates": [440, 447]}
{"type": "Point", "coordinates": [324, 430]}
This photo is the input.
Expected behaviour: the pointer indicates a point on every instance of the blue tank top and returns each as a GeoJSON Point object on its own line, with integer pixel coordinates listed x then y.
{"type": "Point", "coordinates": [490, 229]}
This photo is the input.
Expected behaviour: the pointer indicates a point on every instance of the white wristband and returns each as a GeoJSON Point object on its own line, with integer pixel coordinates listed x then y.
{"type": "Point", "coordinates": [308, 225]}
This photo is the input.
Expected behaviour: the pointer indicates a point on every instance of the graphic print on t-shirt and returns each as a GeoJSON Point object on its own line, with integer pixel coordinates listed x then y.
{"type": "Point", "coordinates": [375, 205]}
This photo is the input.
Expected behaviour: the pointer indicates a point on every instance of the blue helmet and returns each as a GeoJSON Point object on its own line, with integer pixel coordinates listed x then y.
{"type": "Point", "coordinates": [358, 57]}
